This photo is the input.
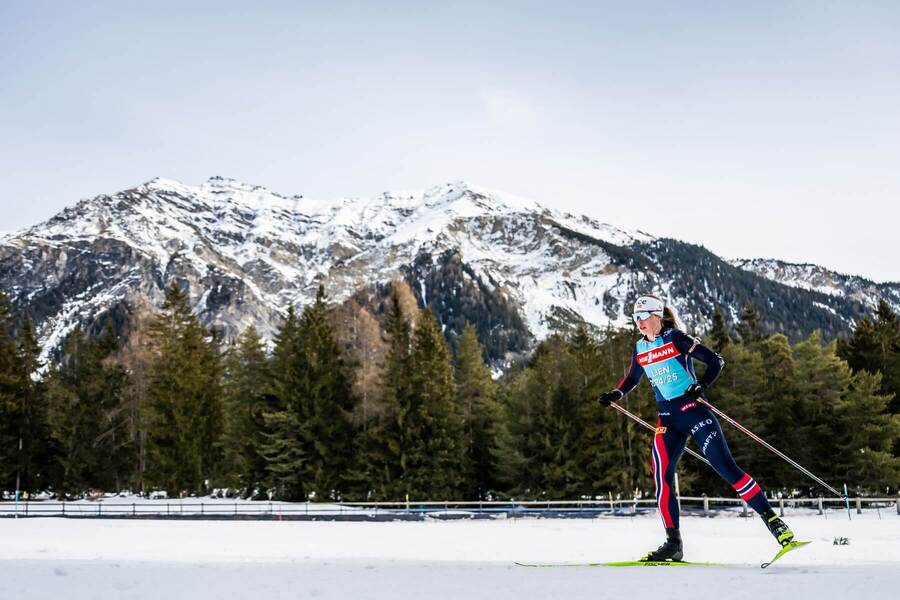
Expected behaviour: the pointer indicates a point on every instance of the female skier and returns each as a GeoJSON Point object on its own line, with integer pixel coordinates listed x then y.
{"type": "Point", "coordinates": [664, 354]}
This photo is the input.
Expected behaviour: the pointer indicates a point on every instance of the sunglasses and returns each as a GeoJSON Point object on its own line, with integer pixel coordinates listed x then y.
{"type": "Point", "coordinates": [641, 316]}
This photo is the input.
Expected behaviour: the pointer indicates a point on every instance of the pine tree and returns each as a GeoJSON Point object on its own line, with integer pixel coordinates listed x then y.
{"type": "Point", "coordinates": [115, 436]}
{"type": "Point", "coordinates": [35, 446]}
{"type": "Point", "coordinates": [536, 454]}
{"type": "Point", "coordinates": [360, 337]}
{"type": "Point", "coordinates": [439, 459]}
{"type": "Point", "coordinates": [718, 334]}
{"type": "Point", "coordinates": [285, 454]}
{"type": "Point", "coordinates": [183, 413]}
{"type": "Point", "coordinates": [406, 299]}
{"type": "Point", "coordinates": [822, 380]}
{"type": "Point", "coordinates": [514, 458]}
{"type": "Point", "coordinates": [24, 444]}
{"type": "Point", "coordinates": [88, 428]}
{"type": "Point", "coordinates": [875, 347]}
{"type": "Point", "coordinates": [774, 411]}
{"type": "Point", "coordinates": [309, 445]}
{"type": "Point", "coordinates": [329, 403]}
{"type": "Point", "coordinates": [390, 439]}
{"type": "Point", "coordinates": [282, 446]}
{"type": "Point", "coordinates": [11, 409]}
{"type": "Point", "coordinates": [748, 325]}
{"type": "Point", "coordinates": [476, 393]}
{"type": "Point", "coordinates": [135, 358]}
{"type": "Point", "coordinates": [244, 404]}
{"type": "Point", "coordinates": [866, 431]}
{"type": "Point", "coordinates": [598, 461]}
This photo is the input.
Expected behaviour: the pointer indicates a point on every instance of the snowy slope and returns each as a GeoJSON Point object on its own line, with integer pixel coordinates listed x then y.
{"type": "Point", "coordinates": [515, 267]}
{"type": "Point", "coordinates": [247, 253]}
{"type": "Point", "coordinates": [78, 559]}
{"type": "Point", "coordinates": [819, 279]}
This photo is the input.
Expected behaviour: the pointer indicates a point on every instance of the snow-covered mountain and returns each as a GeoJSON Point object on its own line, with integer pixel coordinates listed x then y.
{"type": "Point", "coordinates": [518, 269]}
{"type": "Point", "coordinates": [819, 279]}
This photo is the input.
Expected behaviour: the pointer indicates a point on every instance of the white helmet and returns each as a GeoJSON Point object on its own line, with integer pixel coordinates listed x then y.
{"type": "Point", "coordinates": [649, 304]}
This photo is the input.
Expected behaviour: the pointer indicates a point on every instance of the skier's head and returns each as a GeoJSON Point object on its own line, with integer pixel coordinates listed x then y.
{"type": "Point", "coordinates": [651, 316]}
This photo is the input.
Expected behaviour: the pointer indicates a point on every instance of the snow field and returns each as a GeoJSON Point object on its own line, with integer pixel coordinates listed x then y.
{"type": "Point", "coordinates": [76, 559]}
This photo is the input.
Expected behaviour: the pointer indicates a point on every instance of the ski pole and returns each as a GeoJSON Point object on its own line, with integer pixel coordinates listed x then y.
{"type": "Point", "coordinates": [768, 446]}
{"type": "Point", "coordinates": [847, 502]}
{"type": "Point", "coordinates": [651, 428]}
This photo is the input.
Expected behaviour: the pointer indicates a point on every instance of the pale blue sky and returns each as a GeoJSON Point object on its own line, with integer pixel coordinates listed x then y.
{"type": "Point", "coordinates": [757, 129]}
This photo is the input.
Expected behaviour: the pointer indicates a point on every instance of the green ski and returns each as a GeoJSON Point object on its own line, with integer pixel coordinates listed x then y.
{"type": "Point", "coordinates": [784, 550]}
{"type": "Point", "coordinates": [627, 563]}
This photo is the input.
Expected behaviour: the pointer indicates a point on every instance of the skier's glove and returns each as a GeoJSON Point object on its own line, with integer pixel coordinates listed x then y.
{"type": "Point", "coordinates": [694, 391]}
{"type": "Point", "coordinates": [610, 396]}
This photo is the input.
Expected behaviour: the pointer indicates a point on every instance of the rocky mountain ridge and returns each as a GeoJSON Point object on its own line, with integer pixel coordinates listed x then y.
{"type": "Point", "coordinates": [516, 268]}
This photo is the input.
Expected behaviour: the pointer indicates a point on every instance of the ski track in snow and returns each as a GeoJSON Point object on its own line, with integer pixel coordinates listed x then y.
{"type": "Point", "coordinates": [80, 559]}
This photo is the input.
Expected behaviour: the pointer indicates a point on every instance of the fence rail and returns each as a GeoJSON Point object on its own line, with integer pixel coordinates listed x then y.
{"type": "Point", "coordinates": [412, 510]}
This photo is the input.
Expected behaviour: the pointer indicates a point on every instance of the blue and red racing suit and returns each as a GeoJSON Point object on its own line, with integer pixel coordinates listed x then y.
{"type": "Point", "coordinates": [667, 362]}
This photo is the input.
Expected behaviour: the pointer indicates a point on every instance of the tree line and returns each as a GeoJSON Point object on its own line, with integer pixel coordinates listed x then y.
{"type": "Point", "coordinates": [348, 405]}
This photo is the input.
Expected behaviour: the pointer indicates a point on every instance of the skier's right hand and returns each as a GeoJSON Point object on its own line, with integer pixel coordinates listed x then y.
{"type": "Point", "coordinates": [610, 396]}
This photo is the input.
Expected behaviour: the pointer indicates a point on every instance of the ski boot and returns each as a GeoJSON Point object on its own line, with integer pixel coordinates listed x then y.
{"type": "Point", "coordinates": [783, 534]}
{"type": "Point", "coordinates": [671, 550]}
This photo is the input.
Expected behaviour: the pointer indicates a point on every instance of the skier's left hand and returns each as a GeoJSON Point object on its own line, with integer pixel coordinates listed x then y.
{"type": "Point", "coordinates": [610, 397]}
{"type": "Point", "coordinates": [694, 391]}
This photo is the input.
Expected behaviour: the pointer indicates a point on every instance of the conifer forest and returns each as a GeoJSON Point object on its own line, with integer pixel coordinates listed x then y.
{"type": "Point", "coordinates": [348, 403]}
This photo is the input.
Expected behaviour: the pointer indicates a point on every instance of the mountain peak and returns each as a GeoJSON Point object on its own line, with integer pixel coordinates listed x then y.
{"type": "Point", "coordinates": [219, 183]}
{"type": "Point", "coordinates": [517, 268]}
{"type": "Point", "coordinates": [161, 183]}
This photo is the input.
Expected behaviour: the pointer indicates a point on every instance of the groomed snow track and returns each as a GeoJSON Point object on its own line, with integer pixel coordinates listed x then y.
{"type": "Point", "coordinates": [146, 559]}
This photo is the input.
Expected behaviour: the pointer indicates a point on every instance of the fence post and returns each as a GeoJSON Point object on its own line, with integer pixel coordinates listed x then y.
{"type": "Point", "coordinates": [781, 506]}
{"type": "Point", "coordinates": [705, 505]}
{"type": "Point", "coordinates": [820, 505]}
{"type": "Point", "coordinates": [744, 504]}
{"type": "Point", "coordinates": [64, 508]}
{"type": "Point", "coordinates": [858, 505]}
{"type": "Point", "coordinates": [898, 506]}
{"type": "Point", "coordinates": [201, 508]}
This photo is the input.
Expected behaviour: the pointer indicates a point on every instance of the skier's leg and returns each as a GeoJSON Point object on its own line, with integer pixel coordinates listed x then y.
{"type": "Point", "coordinates": [709, 436]}
{"type": "Point", "coordinates": [668, 444]}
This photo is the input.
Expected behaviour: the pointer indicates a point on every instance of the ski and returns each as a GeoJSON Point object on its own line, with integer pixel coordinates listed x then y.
{"type": "Point", "coordinates": [784, 550]}
{"type": "Point", "coordinates": [627, 563]}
